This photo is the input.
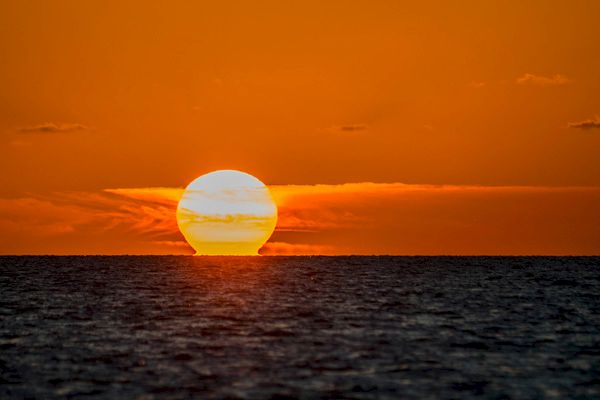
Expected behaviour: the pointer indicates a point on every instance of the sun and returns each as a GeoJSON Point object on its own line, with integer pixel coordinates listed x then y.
{"type": "Point", "coordinates": [226, 212]}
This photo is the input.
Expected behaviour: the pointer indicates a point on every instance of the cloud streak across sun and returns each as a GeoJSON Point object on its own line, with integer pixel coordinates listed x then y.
{"type": "Point", "coordinates": [353, 218]}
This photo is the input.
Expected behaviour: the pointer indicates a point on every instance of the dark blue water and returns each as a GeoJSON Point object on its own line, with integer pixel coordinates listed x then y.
{"type": "Point", "coordinates": [299, 327]}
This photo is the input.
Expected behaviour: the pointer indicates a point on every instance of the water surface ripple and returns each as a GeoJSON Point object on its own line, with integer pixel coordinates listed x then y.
{"type": "Point", "coordinates": [299, 327]}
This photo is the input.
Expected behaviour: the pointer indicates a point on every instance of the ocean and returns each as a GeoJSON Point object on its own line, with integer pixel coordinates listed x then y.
{"type": "Point", "coordinates": [299, 327]}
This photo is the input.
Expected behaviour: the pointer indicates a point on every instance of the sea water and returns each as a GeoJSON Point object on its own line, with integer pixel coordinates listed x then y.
{"type": "Point", "coordinates": [299, 327]}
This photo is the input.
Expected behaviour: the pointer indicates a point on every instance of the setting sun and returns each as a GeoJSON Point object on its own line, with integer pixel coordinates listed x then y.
{"type": "Point", "coordinates": [226, 213]}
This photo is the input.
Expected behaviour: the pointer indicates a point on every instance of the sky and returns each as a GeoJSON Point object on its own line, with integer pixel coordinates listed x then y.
{"type": "Point", "coordinates": [381, 127]}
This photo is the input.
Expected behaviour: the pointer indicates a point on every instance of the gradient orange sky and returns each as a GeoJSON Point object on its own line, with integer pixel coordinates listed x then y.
{"type": "Point", "coordinates": [383, 127]}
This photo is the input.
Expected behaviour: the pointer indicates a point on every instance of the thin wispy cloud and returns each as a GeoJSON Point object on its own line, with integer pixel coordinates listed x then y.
{"type": "Point", "coordinates": [477, 84]}
{"type": "Point", "coordinates": [50, 127]}
{"type": "Point", "coordinates": [348, 128]}
{"type": "Point", "coordinates": [540, 80]}
{"type": "Point", "coordinates": [284, 248]}
{"type": "Point", "coordinates": [177, 244]}
{"type": "Point", "coordinates": [587, 124]}
{"type": "Point", "coordinates": [319, 219]}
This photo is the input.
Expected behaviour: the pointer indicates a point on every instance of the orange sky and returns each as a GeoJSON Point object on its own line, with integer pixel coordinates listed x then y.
{"type": "Point", "coordinates": [497, 101]}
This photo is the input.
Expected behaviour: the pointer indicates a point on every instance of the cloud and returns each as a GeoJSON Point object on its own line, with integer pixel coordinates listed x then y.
{"type": "Point", "coordinates": [352, 218]}
{"type": "Point", "coordinates": [180, 244]}
{"type": "Point", "coordinates": [161, 195]}
{"type": "Point", "coordinates": [88, 223]}
{"type": "Point", "coordinates": [350, 128]}
{"type": "Point", "coordinates": [477, 84]}
{"type": "Point", "coordinates": [296, 249]}
{"type": "Point", "coordinates": [50, 127]}
{"type": "Point", "coordinates": [586, 125]}
{"type": "Point", "coordinates": [539, 80]}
